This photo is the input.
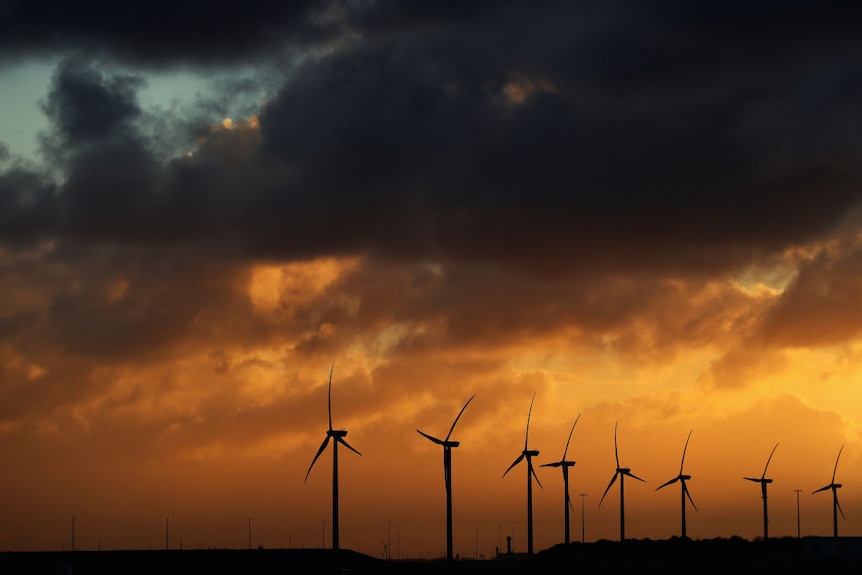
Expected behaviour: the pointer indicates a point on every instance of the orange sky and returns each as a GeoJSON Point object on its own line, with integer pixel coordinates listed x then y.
{"type": "Point", "coordinates": [221, 424]}
{"type": "Point", "coordinates": [648, 218]}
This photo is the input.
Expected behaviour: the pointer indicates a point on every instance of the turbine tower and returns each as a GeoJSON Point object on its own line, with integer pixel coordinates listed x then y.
{"type": "Point", "coordinates": [682, 478]}
{"type": "Point", "coordinates": [447, 474]}
{"type": "Point", "coordinates": [337, 436]}
{"type": "Point", "coordinates": [763, 483]}
{"type": "Point", "coordinates": [836, 507]}
{"type": "Point", "coordinates": [621, 472]}
{"type": "Point", "coordinates": [564, 465]}
{"type": "Point", "coordinates": [528, 454]}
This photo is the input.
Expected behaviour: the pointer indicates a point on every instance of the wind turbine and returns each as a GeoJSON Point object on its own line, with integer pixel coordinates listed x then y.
{"type": "Point", "coordinates": [447, 474]}
{"type": "Point", "coordinates": [337, 436]}
{"type": "Point", "coordinates": [836, 507]}
{"type": "Point", "coordinates": [528, 454]}
{"type": "Point", "coordinates": [564, 465]}
{"type": "Point", "coordinates": [621, 472]}
{"type": "Point", "coordinates": [682, 479]}
{"type": "Point", "coordinates": [763, 483]}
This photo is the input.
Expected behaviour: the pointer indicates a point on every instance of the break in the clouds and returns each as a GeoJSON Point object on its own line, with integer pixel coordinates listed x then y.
{"type": "Point", "coordinates": [647, 210]}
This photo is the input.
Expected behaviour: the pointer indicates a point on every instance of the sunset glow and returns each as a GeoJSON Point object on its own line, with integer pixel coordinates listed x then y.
{"type": "Point", "coordinates": [612, 213]}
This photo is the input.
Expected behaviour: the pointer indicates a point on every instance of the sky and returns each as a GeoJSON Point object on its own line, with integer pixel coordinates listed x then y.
{"type": "Point", "coordinates": [641, 216]}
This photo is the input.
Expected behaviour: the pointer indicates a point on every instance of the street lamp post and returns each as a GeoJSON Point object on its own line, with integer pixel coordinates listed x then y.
{"type": "Point", "coordinates": [167, 532]}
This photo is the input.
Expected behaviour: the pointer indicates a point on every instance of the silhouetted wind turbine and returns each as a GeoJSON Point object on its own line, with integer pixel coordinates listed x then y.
{"type": "Point", "coordinates": [337, 436]}
{"type": "Point", "coordinates": [564, 465]}
{"type": "Point", "coordinates": [682, 479]}
{"type": "Point", "coordinates": [621, 472]}
{"type": "Point", "coordinates": [447, 474]}
{"type": "Point", "coordinates": [528, 454]}
{"type": "Point", "coordinates": [836, 507]}
{"type": "Point", "coordinates": [763, 483]}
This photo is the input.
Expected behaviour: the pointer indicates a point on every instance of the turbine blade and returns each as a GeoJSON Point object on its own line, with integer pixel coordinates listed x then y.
{"type": "Point", "coordinates": [529, 413]}
{"type": "Point", "coordinates": [608, 488]}
{"type": "Point", "coordinates": [451, 429]}
{"type": "Point", "coordinates": [666, 483]}
{"type": "Point", "coordinates": [566, 450]}
{"type": "Point", "coordinates": [329, 396]}
{"type": "Point", "coordinates": [685, 447]}
{"type": "Point", "coordinates": [841, 511]}
{"type": "Point", "coordinates": [768, 460]}
{"type": "Point", "coordinates": [616, 451]}
{"type": "Point", "coordinates": [434, 439]}
{"type": "Point", "coordinates": [569, 499]}
{"type": "Point", "coordinates": [836, 463]}
{"type": "Point", "coordinates": [514, 463]}
{"type": "Point", "coordinates": [347, 445]}
{"type": "Point", "coordinates": [633, 476]}
{"type": "Point", "coordinates": [755, 479]}
{"type": "Point", "coordinates": [533, 472]}
{"type": "Point", "coordinates": [554, 464]}
{"type": "Point", "coordinates": [687, 494]}
{"type": "Point", "coordinates": [821, 489]}
{"type": "Point", "coordinates": [319, 451]}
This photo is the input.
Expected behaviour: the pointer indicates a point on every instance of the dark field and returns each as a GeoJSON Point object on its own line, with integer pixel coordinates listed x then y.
{"type": "Point", "coordinates": [670, 556]}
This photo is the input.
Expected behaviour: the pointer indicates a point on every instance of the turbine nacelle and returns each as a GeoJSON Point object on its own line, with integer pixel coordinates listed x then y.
{"type": "Point", "coordinates": [559, 464]}
{"type": "Point", "coordinates": [444, 442]}
{"type": "Point", "coordinates": [337, 433]}
{"type": "Point", "coordinates": [530, 452]}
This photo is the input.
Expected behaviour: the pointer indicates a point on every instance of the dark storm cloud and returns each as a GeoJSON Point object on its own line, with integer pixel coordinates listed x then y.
{"type": "Point", "coordinates": [84, 106]}
{"type": "Point", "coordinates": [557, 137]}
{"type": "Point", "coordinates": [644, 141]}
{"type": "Point", "coordinates": [154, 33]}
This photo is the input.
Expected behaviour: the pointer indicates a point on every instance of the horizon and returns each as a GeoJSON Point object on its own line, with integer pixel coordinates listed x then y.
{"type": "Point", "coordinates": [645, 217]}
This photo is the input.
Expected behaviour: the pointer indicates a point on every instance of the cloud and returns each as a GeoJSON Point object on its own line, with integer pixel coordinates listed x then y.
{"type": "Point", "coordinates": [413, 147]}
{"type": "Point", "coordinates": [646, 214]}
{"type": "Point", "coordinates": [156, 34]}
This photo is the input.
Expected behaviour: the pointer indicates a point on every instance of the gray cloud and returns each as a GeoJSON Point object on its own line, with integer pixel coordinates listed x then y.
{"type": "Point", "coordinates": [157, 34]}
{"type": "Point", "coordinates": [558, 139]}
